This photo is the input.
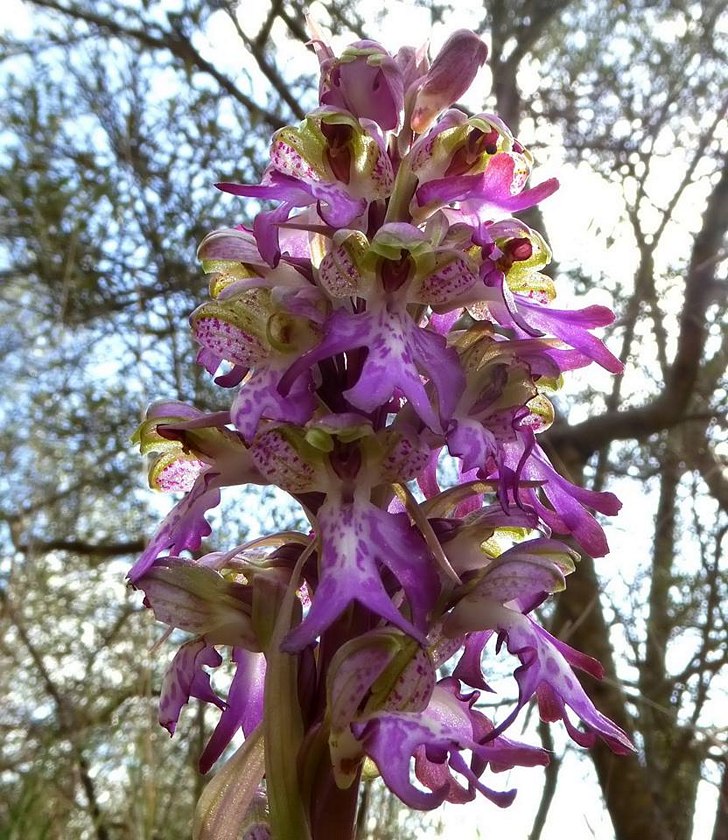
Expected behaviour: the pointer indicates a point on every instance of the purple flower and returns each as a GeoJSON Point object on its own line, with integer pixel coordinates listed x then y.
{"type": "Point", "coordinates": [436, 738]}
{"type": "Point", "coordinates": [207, 440]}
{"type": "Point", "coordinates": [357, 540]}
{"type": "Point", "coordinates": [186, 678]}
{"type": "Point", "coordinates": [243, 709]}
{"type": "Point", "coordinates": [386, 309]}
{"type": "Point", "coordinates": [451, 74]}
{"type": "Point", "coordinates": [366, 81]}
{"type": "Point", "coordinates": [492, 194]}
{"type": "Point", "coordinates": [545, 670]}
{"type": "Point", "coordinates": [333, 161]}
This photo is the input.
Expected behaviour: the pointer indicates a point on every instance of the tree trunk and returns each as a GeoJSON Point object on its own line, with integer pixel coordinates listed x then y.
{"type": "Point", "coordinates": [625, 783]}
{"type": "Point", "coordinates": [720, 828]}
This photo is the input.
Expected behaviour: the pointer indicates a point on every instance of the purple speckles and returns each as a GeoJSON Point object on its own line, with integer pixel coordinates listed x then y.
{"type": "Point", "coordinates": [278, 459]}
{"type": "Point", "coordinates": [287, 159]}
{"type": "Point", "coordinates": [338, 272]}
{"type": "Point", "coordinates": [356, 538]}
{"type": "Point", "coordinates": [179, 475]}
{"type": "Point", "coordinates": [228, 341]}
{"type": "Point", "coordinates": [447, 282]}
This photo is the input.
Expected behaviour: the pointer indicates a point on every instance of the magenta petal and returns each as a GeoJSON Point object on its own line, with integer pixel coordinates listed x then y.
{"type": "Point", "coordinates": [472, 442]}
{"type": "Point", "coordinates": [502, 754]}
{"type": "Point", "coordinates": [437, 776]}
{"type": "Point", "coordinates": [523, 460]}
{"type": "Point", "coordinates": [497, 181]}
{"type": "Point", "coordinates": [543, 664]}
{"type": "Point", "coordinates": [427, 479]}
{"type": "Point", "coordinates": [259, 397]}
{"type": "Point", "coordinates": [186, 678]}
{"type": "Point", "coordinates": [342, 332]}
{"type": "Point", "coordinates": [279, 188]}
{"type": "Point", "coordinates": [501, 798]}
{"type": "Point", "coordinates": [572, 327]}
{"type": "Point", "coordinates": [567, 513]}
{"type": "Point", "coordinates": [435, 737]}
{"type": "Point", "coordinates": [390, 366]}
{"type": "Point", "coordinates": [266, 231]}
{"type": "Point", "coordinates": [244, 707]}
{"type": "Point", "coordinates": [184, 526]}
{"type": "Point", "coordinates": [577, 659]}
{"type": "Point", "coordinates": [441, 364]}
{"type": "Point", "coordinates": [491, 189]}
{"type": "Point", "coordinates": [445, 190]}
{"type": "Point", "coordinates": [357, 538]}
{"type": "Point", "coordinates": [391, 740]}
{"type": "Point", "coordinates": [399, 352]}
{"type": "Point", "coordinates": [469, 669]}
{"type": "Point", "coordinates": [529, 198]}
{"type": "Point", "coordinates": [338, 209]}
{"type": "Point", "coordinates": [442, 323]}
{"type": "Point", "coordinates": [372, 89]}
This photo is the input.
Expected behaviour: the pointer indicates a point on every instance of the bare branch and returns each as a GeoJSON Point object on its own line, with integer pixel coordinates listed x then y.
{"type": "Point", "coordinates": [666, 410]}
{"type": "Point", "coordinates": [173, 41]}
{"type": "Point", "coordinates": [81, 547]}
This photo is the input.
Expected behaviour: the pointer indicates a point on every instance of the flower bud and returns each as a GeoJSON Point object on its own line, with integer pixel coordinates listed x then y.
{"type": "Point", "coordinates": [365, 81]}
{"type": "Point", "coordinates": [450, 75]}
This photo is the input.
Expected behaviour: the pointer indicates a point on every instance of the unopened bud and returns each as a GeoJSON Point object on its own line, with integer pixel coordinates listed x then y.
{"type": "Point", "coordinates": [450, 75]}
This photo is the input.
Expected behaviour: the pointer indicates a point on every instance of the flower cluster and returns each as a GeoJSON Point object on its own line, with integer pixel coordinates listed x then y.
{"type": "Point", "coordinates": [386, 324]}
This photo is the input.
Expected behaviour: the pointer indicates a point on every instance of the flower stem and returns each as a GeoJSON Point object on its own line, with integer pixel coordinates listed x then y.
{"type": "Point", "coordinates": [282, 720]}
{"type": "Point", "coordinates": [333, 811]}
{"type": "Point", "coordinates": [405, 185]}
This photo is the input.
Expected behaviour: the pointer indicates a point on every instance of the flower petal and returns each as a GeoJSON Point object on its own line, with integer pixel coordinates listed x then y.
{"type": "Point", "coordinates": [357, 537]}
{"type": "Point", "coordinates": [244, 707]}
{"type": "Point", "coordinates": [186, 678]}
{"type": "Point", "coordinates": [184, 594]}
{"type": "Point", "coordinates": [184, 526]}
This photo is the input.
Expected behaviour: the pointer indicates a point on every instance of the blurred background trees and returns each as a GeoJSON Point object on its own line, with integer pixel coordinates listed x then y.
{"type": "Point", "coordinates": [117, 116]}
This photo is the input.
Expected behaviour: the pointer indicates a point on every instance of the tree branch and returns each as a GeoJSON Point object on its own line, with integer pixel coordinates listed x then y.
{"type": "Point", "coordinates": [102, 550]}
{"type": "Point", "coordinates": [173, 41]}
{"type": "Point", "coordinates": [666, 410]}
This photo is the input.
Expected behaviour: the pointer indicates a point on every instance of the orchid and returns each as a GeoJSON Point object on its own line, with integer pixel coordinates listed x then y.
{"type": "Point", "coordinates": [387, 317]}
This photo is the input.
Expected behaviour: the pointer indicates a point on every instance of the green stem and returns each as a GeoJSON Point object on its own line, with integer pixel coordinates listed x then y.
{"type": "Point", "coordinates": [282, 720]}
{"type": "Point", "coordinates": [404, 188]}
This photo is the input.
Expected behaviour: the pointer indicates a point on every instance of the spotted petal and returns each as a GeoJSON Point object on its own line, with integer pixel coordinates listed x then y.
{"type": "Point", "coordinates": [357, 538]}
{"type": "Point", "coordinates": [193, 597]}
{"type": "Point", "coordinates": [435, 737]}
{"type": "Point", "coordinates": [187, 678]}
{"type": "Point", "coordinates": [399, 354]}
{"type": "Point", "coordinates": [545, 672]}
{"type": "Point", "coordinates": [184, 526]}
